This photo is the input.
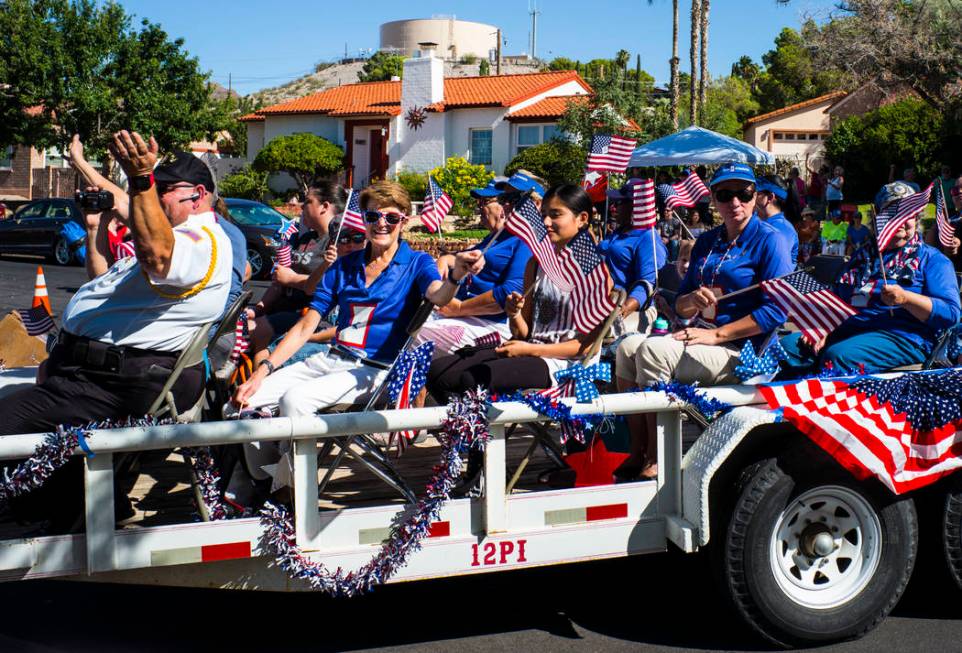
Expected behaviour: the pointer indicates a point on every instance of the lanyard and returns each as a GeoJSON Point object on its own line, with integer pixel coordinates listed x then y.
{"type": "Point", "coordinates": [714, 274]}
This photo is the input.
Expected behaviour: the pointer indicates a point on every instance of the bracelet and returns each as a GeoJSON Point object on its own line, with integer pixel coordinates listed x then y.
{"type": "Point", "coordinates": [451, 278]}
{"type": "Point", "coordinates": [270, 366]}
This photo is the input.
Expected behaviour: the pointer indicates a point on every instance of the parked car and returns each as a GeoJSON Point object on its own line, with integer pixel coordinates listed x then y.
{"type": "Point", "coordinates": [260, 224]}
{"type": "Point", "coordinates": [35, 229]}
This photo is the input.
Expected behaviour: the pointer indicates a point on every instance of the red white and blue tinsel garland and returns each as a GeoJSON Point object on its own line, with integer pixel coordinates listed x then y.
{"type": "Point", "coordinates": [709, 407]}
{"type": "Point", "coordinates": [556, 411]}
{"type": "Point", "coordinates": [466, 426]}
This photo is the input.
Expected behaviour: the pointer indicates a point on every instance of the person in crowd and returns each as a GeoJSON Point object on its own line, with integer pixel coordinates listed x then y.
{"type": "Point", "coordinates": [696, 226]}
{"type": "Point", "coordinates": [739, 253]}
{"type": "Point", "coordinates": [703, 206]}
{"type": "Point", "coordinates": [669, 280]}
{"type": "Point", "coordinates": [516, 186]}
{"type": "Point", "coordinates": [954, 207]}
{"type": "Point", "coordinates": [858, 233]}
{"type": "Point", "coordinates": [815, 190]}
{"type": "Point", "coordinates": [240, 268]}
{"type": "Point", "coordinates": [946, 180]}
{"type": "Point", "coordinates": [900, 314]}
{"type": "Point", "coordinates": [478, 307]}
{"type": "Point", "coordinates": [834, 234]}
{"type": "Point", "coordinates": [123, 330]}
{"type": "Point", "coordinates": [671, 229]}
{"type": "Point", "coordinates": [633, 255]}
{"type": "Point", "coordinates": [833, 190]}
{"type": "Point", "coordinates": [772, 192]}
{"type": "Point", "coordinates": [908, 177]}
{"type": "Point", "coordinates": [796, 187]}
{"type": "Point", "coordinates": [292, 288]}
{"type": "Point", "coordinates": [809, 236]}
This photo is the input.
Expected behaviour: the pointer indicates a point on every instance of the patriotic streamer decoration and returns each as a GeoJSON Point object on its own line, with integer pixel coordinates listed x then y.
{"type": "Point", "coordinates": [610, 153]}
{"type": "Point", "coordinates": [946, 230]}
{"type": "Point", "coordinates": [765, 366]}
{"type": "Point", "coordinates": [896, 214]}
{"type": "Point", "coordinates": [904, 431]}
{"type": "Point", "coordinates": [352, 217]}
{"type": "Point", "coordinates": [284, 234]}
{"type": "Point", "coordinates": [437, 203]}
{"type": "Point", "coordinates": [643, 213]}
{"type": "Point", "coordinates": [584, 379]}
{"type": "Point", "coordinates": [547, 403]}
{"type": "Point", "coordinates": [208, 479]}
{"type": "Point", "coordinates": [809, 303]}
{"type": "Point", "coordinates": [466, 426]}
{"type": "Point", "coordinates": [709, 407]}
{"type": "Point", "coordinates": [242, 343]}
{"type": "Point", "coordinates": [408, 376]}
{"type": "Point", "coordinates": [36, 320]}
{"type": "Point", "coordinates": [685, 193]}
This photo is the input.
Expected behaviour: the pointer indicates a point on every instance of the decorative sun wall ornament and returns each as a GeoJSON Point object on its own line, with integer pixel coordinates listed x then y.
{"type": "Point", "coordinates": [415, 117]}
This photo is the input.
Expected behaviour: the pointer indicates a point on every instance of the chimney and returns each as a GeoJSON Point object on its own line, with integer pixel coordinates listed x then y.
{"type": "Point", "coordinates": [423, 81]}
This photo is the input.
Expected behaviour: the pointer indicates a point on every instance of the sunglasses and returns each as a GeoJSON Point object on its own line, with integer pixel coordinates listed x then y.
{"type": "Point", "coordinates": [371, 217]}
{"type": "Point", "coordinates": [726, 195]}
{"type": "Point", "coordinates": [356, 238]}
{"type": "Point", "coordinates": [510, 198]}
{"type": "Point", "coordinates": [163, 189]}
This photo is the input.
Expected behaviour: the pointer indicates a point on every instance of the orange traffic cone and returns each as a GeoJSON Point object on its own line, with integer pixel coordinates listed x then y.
{"type": "Point", "coordinates": [40, 297]}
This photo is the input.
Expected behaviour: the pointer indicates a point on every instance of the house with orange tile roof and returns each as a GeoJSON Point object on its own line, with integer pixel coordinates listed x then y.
{"type": "Point", "coordinates": [797, 131]}
{"type": "Point", "coordinates": [417, 123]}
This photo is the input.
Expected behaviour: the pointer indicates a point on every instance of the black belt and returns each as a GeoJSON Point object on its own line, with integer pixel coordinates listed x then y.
{"type": "Point", "coordinates": [93, 354]}
{"type": "Point", "coordinates": [347, 355]}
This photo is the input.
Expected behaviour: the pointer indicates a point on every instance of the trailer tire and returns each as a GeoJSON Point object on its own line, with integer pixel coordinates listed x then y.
{"type": "Point", "coordinates": [952, 534]}
{"type": "Point", "coordinates": [864, 546]}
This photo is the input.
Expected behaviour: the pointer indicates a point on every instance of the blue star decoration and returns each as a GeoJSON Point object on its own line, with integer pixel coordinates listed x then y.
{"type": "Point", "coordinates": [585, 377]}
{"type": "Point", "coordinates": [418, 358]}
{"type": "Point", "coordinates": [928, 400]}
{"type": "Point", "coordinates": [751, 365]}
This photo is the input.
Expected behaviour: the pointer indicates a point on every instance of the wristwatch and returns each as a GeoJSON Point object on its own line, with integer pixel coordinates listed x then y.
{"type": "Point", "coordinates": [270, 366]}
{"type": "Point", "coordinates": [140, 183]}
{"type": "Point", "coordinates": [450, 277]}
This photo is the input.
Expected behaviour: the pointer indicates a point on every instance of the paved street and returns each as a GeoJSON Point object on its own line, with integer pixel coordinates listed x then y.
{"type": "Point", "coordinates": [663, 602]}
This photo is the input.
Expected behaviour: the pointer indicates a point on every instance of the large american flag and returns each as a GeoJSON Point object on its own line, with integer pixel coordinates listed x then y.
{"type": "Point", "coordinates": [352, 212]}
{"type": "Point", "coordinates": [36, 320]}
{"type": "Point", "coordinates": [284, 234]}
{"type": "Point", "coordinates": [904, 431]}
{"type": "Point", "coordinates": [587, 274]}
{"type": "Point", "coordinates": [897, 214]}
{"type": "Point", "coordinates": [436, 206]}
{"type": "Point", "coordinates": [815, 309]}
{"type": "Point", "coordinates": [685, 193]}
{"type": "Point", "coordinates": [946, 230]}
{"type": "Point", "coordinates": [610, 153]}
{"type": "Point", "coordinates": [526, 223]}
{"type": "Point", "coordinates": [643, 214]}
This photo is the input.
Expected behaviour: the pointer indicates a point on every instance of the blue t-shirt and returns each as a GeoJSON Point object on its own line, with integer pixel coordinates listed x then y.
{"type": "Point", "coordinates": [759, 253]}
{"type": "Point", "coordinates": [786, 231]}
{"type": "Point", "coordinates": [631, 256]}
{"type": "Point", "coordinates": [858, 234]}
{"type": "Point", "coordinates": [373, 320]}
{"type": "Point", "coordinates": [933, 277]}
{"type": "Point", "coordinates": [238, 245]}
{"type": "Point", "coordinates": [503, 272]}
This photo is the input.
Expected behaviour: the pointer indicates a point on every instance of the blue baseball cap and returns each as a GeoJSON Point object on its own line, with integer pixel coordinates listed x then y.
{"type": "Point", "coordinates": [491, 190]}
{"type": "Point", "coordinates": [521, 182]}
{"type": "Point", "coordinates": [625, 191]}
{"type": "Point", "coordinates": [765, 186]}
{"type": "Point", "coordinates": [733, 171]}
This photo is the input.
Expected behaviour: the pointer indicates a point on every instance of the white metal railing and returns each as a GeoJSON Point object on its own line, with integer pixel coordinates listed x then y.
{"type": "Point", "coordinates": [307, 431]}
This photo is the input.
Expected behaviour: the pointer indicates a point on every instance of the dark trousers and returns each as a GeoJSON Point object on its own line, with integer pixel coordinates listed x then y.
{"type": "Point", "coordinates": [74, 395]}
{"type": "Point", "coordinates": [469, 368]}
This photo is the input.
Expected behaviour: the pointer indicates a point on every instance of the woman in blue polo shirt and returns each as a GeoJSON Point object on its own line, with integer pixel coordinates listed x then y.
{"type": "Point", "coordinates": [741, 252]}
{"type": "Point", "coordinates": [377, 291]}
{"type": "Point", "coordinates": [898, 322]}
{"type": "Point", "coordinates": [478, 308]}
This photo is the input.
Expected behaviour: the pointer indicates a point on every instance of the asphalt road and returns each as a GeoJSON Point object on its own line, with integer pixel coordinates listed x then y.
{"type": "Point", "coordinates": [663, 602]}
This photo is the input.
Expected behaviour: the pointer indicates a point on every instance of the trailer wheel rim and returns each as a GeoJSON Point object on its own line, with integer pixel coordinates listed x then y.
{"type": "Point", "coordinates": [825, 547]}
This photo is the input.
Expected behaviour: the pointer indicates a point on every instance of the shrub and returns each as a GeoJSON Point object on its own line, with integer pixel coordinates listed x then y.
{"type": "Point", "coordinates": [415, 183]}
{"type": "Point", "coordinates": [303, 156]}
{"type": "Point", "coordinates": [469, 58]}
{"type": "Point", "coordinates": [457, 177]}
{"type": "Point", "coordinates": [557, 162]}
{"type": "Point", "coordinates": [246, 183]}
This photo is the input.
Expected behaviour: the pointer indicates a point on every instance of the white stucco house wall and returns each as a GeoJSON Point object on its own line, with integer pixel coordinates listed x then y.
{"type": "Point", "coordinates": [797, 131]}
{"type": "Point", "coordinates": [418, 123]}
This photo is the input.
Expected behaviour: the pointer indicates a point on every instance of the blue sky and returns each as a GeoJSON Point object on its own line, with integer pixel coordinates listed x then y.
{"type": "Point", "coordinates": [263, 44]}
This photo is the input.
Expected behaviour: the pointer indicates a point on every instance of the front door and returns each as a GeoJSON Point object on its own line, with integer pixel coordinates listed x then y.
{"type": "Point", "coordinates": [377, 158]}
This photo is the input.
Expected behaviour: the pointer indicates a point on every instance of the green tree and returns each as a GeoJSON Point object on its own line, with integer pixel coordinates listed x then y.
{"type": "Point", "coordinates": [728, 103]}
{"type": "Point", "coordinates": [88, 71]}
{"type": "Point", "coordinates": [747, 70]}
{"type": "Point", "coordinates": [303, 156]}
{"type": "Point", "coordinates": [563, 63]}
{"type": "Point", "coordinates": [791, 75]}
{"type": "Point", "coordinates": [381, 67]}
{"type": "Point", "coordinates": [246, 183]}
{"type": "Point", "coordinates": [484, 68]}
{"type": "Point", "coordinates": [557, 161]}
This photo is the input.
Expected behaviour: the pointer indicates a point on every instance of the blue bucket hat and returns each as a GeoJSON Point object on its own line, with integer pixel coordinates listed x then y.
{"type": "Point", "coordinates": [521, 182]}
{"type": "Point", "coordinates": [733, 171]}
{"type": "Point", "coordinates": [765, 186]}
{"type": "Point", "coordinates": [491, 190]}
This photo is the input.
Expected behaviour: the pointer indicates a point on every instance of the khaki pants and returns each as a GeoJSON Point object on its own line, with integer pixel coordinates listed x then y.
{"type": "Point", "coordinates": [638, 327]}
{"type": "Point", "coordinates": [662, 358]}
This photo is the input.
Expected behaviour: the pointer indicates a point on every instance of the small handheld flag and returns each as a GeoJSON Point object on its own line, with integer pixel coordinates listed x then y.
{"type": "Point", "coordinates": [352, 213]}
{"type": "Point", "coordinates": [437, 203]}
{"type": "Point", "coordinates": [896, 214]}
{"type": "Point", "coordinates": [643, 214]}
{"type": "Point", "coordinates": [610, 153]}
{"type": "Point", "coordinates": [946, 230]}
{"type": "Point", "coordinates": [814, 308]}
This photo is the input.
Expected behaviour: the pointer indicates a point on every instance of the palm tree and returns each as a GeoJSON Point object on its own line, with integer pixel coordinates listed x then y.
{"type": "Point", "coordinates": [693, 87]}
{"type": "Point", "coordinates": [702, 83]}
{"type": "Point", "coordinates": [675, 91]}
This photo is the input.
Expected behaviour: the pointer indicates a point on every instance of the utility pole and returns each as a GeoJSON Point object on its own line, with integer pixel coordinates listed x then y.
{"type": "Point", "coordinates": [229, 86]}
{"type": "Point", "coordinates": [638, 73]}
{"type": "Point", "coordinates": [534, 29]}
{"type": "Point", "coordinates": [498, 64]}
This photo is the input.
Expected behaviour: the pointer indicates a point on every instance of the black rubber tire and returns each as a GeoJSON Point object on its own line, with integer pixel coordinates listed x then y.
{"type": "Point", "coordinates": [748, 578]}
{"type": "Point", "coordinates": [952, 534]}
{"type": "Point", "coordinates": [61, 254]}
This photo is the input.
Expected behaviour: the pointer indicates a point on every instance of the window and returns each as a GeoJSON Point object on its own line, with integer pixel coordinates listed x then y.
{"type": "Point", "coordinates": [528, 136]}
{"type": "Point", "coordinates": [550, 131]}
{"type": "Point", "coordinates": [6, 157]}
{"type": "Point", "coordinates": [481, 147]}
{"type": "Point", "coordinates": [813, 137]}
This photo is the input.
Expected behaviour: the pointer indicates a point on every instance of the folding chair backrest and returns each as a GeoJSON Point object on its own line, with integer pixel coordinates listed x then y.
{"type": "Point", "coordinates": [229, 321]}
{"type": "Point", "coordinates": [192, 354]}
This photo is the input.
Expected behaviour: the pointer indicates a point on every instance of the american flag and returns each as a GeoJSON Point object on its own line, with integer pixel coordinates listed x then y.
{"type": "Point", "coordinates": [352, 212]}
{"type": "Point", "coordinates": [36, 320]}
{"type": "Point", "coordinates": [587, 275]}
{"type": "Point", "coordinates": [241, 338]}
{"type": "Point", "coordinates": [610, 153]}
{"type": "Point", "coordinates": [526, 223]}
{"type": "Point", "coordinates": [897, 214]}
{"type": "Point", "coordinates": [904, 431]}
{"type": "Point", "coordinates": [125, 249]}
{"type": "Point", "coordinates": [686, 192]}
{"type": "Point", "coordinates": [946, 230]}
{"type": "Point", "coordinates": [488, 340]}
{"type": "Point", "coordinates": [408, 376]}
{"type": "Point", "coordinates": [284, 234]}
{"type": "Point", "coordinates": [643, 214]}
{"type": "Point", "coordinates": [436, 206]}
{"type": "Point", "coordinates": [809, 303]}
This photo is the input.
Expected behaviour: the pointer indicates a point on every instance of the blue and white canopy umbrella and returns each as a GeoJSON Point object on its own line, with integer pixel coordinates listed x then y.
{"type": "Point", "coordinates": [696, 145]}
